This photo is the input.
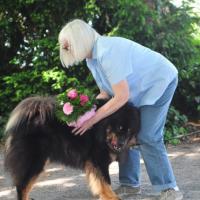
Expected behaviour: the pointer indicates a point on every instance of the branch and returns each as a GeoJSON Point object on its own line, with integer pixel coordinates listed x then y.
{"type": "Point", "coordinates": [182, 136]}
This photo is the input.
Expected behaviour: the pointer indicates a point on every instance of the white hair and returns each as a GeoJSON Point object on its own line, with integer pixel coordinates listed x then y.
{"type": "Point", "coordinates": [76, 41]}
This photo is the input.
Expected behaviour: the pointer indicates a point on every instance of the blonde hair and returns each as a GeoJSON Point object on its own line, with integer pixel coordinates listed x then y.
{"type": "Point", "coordinates": [76, 41]}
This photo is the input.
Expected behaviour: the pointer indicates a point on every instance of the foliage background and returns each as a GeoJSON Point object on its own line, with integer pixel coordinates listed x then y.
{"type": "Point", "coordinates": [30, 65]}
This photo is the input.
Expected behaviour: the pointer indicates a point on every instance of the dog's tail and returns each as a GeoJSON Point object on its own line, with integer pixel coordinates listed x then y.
{"type": "Point", "coordinates": [34, 111]}
{"type": "Point", "coordinates": [26, 121]}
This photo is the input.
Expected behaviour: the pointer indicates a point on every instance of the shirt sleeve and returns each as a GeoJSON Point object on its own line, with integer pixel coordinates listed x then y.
{"type": "Point", "coordinates": [116, 60]}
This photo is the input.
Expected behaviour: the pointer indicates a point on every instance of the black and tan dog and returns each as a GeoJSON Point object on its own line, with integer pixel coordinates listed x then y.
{"type": "Point", "coordinates": [35, 136]}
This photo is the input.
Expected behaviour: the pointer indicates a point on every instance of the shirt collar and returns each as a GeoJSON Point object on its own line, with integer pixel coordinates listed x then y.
{"type": "Point", "coordinates": [94, 52]}
{"type": "Point", "coordinates": [94, 49]}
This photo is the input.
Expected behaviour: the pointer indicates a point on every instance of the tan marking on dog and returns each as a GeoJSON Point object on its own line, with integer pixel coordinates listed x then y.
{"type": "Point", "coordinates": [111, 136]}
{"type": "Point", "coordinates": [113, 157]}
{"type": "Point", "coordinates": [97, 183]}
{"type": "Point", "coordinates": [26, 191]}
{"type": "Point", "coordinates": [28, 188]}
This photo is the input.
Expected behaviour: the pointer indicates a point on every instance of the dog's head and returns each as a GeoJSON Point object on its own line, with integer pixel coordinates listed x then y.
{"type": "Point", "coordinates": [122, 128]}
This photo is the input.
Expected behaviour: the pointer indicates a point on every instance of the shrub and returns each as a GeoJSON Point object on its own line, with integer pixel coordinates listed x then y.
{"type": "Point", "coordinates": [175, 125]}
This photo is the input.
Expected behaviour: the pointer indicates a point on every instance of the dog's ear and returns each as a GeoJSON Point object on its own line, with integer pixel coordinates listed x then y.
{"type": "Point", "coordinates": [134, 120]}
{"type": "Point", "coordinates": [100, 102]}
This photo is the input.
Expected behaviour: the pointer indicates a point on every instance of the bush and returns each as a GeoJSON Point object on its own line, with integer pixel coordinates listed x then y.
{"type": "Point", "coordinates": [3, 120]}
{"type": "Point", "coordinates": [175, 125]}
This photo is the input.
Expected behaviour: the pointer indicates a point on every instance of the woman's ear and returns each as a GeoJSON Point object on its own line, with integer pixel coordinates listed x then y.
{"type": "Point", "coordinates": [65, 44]}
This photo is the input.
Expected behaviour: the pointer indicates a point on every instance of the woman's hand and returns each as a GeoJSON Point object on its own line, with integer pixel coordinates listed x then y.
{"type": "Point", "coordinates": [84, 127]}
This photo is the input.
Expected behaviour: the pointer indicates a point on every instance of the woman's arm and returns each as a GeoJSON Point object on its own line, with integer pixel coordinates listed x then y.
{"type": "Point", "coordinates": [121, 96]}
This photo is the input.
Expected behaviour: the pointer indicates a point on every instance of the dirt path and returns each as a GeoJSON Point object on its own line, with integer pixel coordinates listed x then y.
{"type": "Point", "coordinates": [60, 183]}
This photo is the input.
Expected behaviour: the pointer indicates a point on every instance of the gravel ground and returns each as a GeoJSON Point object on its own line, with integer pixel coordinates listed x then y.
{"type": "Point", "coordinates": [60, 183]}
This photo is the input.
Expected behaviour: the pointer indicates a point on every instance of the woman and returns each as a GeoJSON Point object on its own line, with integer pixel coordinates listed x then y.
{"type": "Point", "coordinates": [128, 71]}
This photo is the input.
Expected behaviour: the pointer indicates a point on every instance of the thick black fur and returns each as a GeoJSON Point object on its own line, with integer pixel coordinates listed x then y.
{"type": "Point", "coordinates": [35, 135]}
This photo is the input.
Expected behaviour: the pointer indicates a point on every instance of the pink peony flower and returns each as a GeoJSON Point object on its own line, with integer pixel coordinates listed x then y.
{"type": "Point", "coordinates": [84, 99]}
{"type": "Point", "coordinates": [67, 108]}
{"type": "Point", "coordinates": [72, 94]}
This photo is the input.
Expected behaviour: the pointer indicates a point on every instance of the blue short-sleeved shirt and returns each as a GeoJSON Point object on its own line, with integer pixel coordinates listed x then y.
{"type": "Point", "coordinates": [147, 72]}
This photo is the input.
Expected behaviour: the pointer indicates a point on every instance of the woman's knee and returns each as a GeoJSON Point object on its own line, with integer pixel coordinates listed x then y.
{"type": "Point", "coordinates": [150, 139]}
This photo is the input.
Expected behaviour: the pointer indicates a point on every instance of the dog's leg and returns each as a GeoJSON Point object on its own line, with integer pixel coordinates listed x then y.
{"type": "Point", "coordinates": [24, 185]}
{"type": "Point", "coordinates": [23, 192]}
{"type": "Point", "coordinates": [98, 184]}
